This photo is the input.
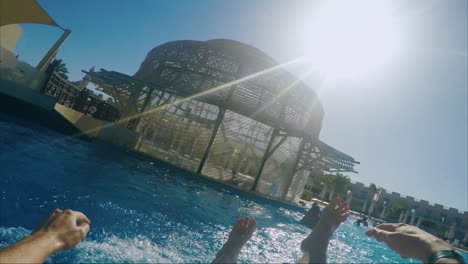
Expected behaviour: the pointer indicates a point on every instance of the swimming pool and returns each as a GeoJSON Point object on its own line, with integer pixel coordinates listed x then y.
{"type": "Point", "coordinates": [144, 211]}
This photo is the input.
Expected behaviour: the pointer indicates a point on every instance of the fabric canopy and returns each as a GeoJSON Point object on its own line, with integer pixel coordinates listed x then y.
{"type": "Point", "coordinates": [23, 11]}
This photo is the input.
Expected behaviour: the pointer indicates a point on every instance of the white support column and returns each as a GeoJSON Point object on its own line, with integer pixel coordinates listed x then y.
{"type": "Point", "coordinates": [420, 219]}
{"type": "Point", "coordinates": [402, 214]}
{"type": "Point", "coordinates": [311, 182]}
{"type": "Point", "coordinates": [413, 217]}
{"type": "Point", "coordinates": [47, 59]}
{"type": "Point", "coordinates": [323, 192]}
{"type": "Point", "coordinates": [294, 169]}
{"type": "Point", "coordinates": [382, 214]}
{"type": "Point", "coordinates": [451, 233]}
{"type": "Point", "coordinates": [371, 207]}
{"type": "Point", "coordinates": [214, 132]}
{"type": "Point", "coordinates": [349, 197]}
{"type": "Point", "coordinates": [332, 192]}
{"type": "Point", "coordinates": [374, 200]}
{"type": "Point", "coordinates": [267, 153]}
{"type": "Point", "coordinates": [405, 219]}
{"type": "Point", "coordinates": [364, 206]}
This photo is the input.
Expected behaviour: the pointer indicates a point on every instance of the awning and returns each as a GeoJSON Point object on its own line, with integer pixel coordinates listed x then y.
{"type": "Point", "coordinates": [24, 11]}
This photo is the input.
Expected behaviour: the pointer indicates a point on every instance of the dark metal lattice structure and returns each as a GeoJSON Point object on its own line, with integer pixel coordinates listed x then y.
{"type": "Point", "coordinates": [227, 110]}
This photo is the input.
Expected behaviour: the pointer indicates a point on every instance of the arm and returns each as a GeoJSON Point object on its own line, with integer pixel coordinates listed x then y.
{"type": "Point", "coordinates": [59, 231]}
{"type": "Point", "coordinates": [31, 249]}
{"type": "Point", "coordinates": [410, 241]}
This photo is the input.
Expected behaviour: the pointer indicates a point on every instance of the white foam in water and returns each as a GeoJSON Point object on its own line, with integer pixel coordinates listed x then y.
{"type": "Point", "coordinates": [10, 235]}
{"type": "Point", "coordinates": [112, 249]}
{"type": "Point", "coordinates": [268, 245]}
{"type": "Point", "coordinates": [115, 249]}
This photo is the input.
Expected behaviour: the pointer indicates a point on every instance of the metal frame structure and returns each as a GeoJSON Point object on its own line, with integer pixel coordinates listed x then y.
{"type": "Point", "coordinates": [236, 78]}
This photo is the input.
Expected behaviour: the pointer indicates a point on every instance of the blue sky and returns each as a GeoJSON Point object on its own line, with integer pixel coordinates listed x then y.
{"type": "Point", "coordinates": [406, 122]}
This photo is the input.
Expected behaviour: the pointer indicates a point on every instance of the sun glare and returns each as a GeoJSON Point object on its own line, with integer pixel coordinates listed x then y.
{"type": "Point", "coordinates": [350, 38]}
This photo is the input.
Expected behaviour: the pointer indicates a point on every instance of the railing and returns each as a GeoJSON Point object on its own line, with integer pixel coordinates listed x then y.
{"type": "Point", "coordinates": [95, 107]}
{"type": "Point", "coordinates": [79, 99]}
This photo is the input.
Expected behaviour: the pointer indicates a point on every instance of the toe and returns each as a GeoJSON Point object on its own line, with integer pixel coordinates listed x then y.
{"type": "Point", "coordinates": [343, 212]}
{"type": "Point", "coordinates": [251, 223]}
{"type": "Point", "coordinates": [335, 202]}
{"type": "Point", "coordinates": [238, 224]}
{"type": "Point", "coordinates": [343, 206]}
{"type": "Point", "coordinates": [245, 222]}
{"type": "Point", "coordinates": [343, 209]}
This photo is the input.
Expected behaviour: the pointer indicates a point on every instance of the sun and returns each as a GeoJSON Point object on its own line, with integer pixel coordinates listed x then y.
{"type": "Point", "coordinates": [351, 38]}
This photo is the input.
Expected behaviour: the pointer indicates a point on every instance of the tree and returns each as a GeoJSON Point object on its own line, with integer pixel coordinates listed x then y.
{"type": "Point", "coordinates": [327, 181]}
{"type": "Point", "coordinates": [61, 68]}
{"type": "Point", "coordinates": [394, 212]}
{"type": "Point", "coordinates": [336, 184]}
{"type": "Point", "coordinates": [340, 182]}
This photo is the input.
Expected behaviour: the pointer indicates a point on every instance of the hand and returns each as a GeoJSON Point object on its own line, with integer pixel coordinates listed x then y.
{"type": "Point", "coordinates": [59, 231]}
{"type": "Point", "coordinates": [62, 229]}
{"type": "Point", "coordinates": [408, 241]}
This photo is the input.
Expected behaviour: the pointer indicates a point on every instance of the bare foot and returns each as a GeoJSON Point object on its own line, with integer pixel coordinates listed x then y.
{"type": "Point", "coordinates": [315, 245]}
{"type": "Point", "coordinates": [333, 215]}
{"type": "Point", "coordinates": [241, 233]}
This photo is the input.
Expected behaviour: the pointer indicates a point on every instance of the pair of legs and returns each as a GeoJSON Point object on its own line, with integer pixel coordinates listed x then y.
{"type": "Point", "coordinates": [314, 246]}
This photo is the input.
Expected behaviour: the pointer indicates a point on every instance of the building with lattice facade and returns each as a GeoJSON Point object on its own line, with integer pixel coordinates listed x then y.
{"type": "Point", "coordinates": [226, 110]}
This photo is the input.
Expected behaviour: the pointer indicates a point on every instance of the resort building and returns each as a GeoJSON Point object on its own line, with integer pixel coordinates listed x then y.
{"type": "Point", "coordinates": [395, 207]}
{"type": "Point", "coordinates": [60, 88]}
{"type": "Point", "coordinates": [76, 96]}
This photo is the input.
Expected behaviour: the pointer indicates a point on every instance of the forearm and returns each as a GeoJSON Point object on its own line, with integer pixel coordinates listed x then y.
{"type": "Point", "coordinates": [35, 248]}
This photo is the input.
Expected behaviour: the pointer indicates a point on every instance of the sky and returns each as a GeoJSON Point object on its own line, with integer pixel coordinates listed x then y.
{"type": "Point", "coordinates": [405, 121]}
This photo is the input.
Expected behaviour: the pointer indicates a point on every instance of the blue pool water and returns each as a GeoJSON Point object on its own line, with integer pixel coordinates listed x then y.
{"type": "Point", "coordinates": [143, 211]}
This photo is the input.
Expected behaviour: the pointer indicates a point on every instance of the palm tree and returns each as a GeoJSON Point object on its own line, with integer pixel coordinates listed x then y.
{"type": "Point", "coordinates": [61, 68]}
{"type": "Point", "coordinates": [338, 184]}
{"type": "Point", "coordinates": [340, 181]}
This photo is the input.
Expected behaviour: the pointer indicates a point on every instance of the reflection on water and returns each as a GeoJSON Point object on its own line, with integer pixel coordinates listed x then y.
{"type": "Point", "coordinates": [143, 211]}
